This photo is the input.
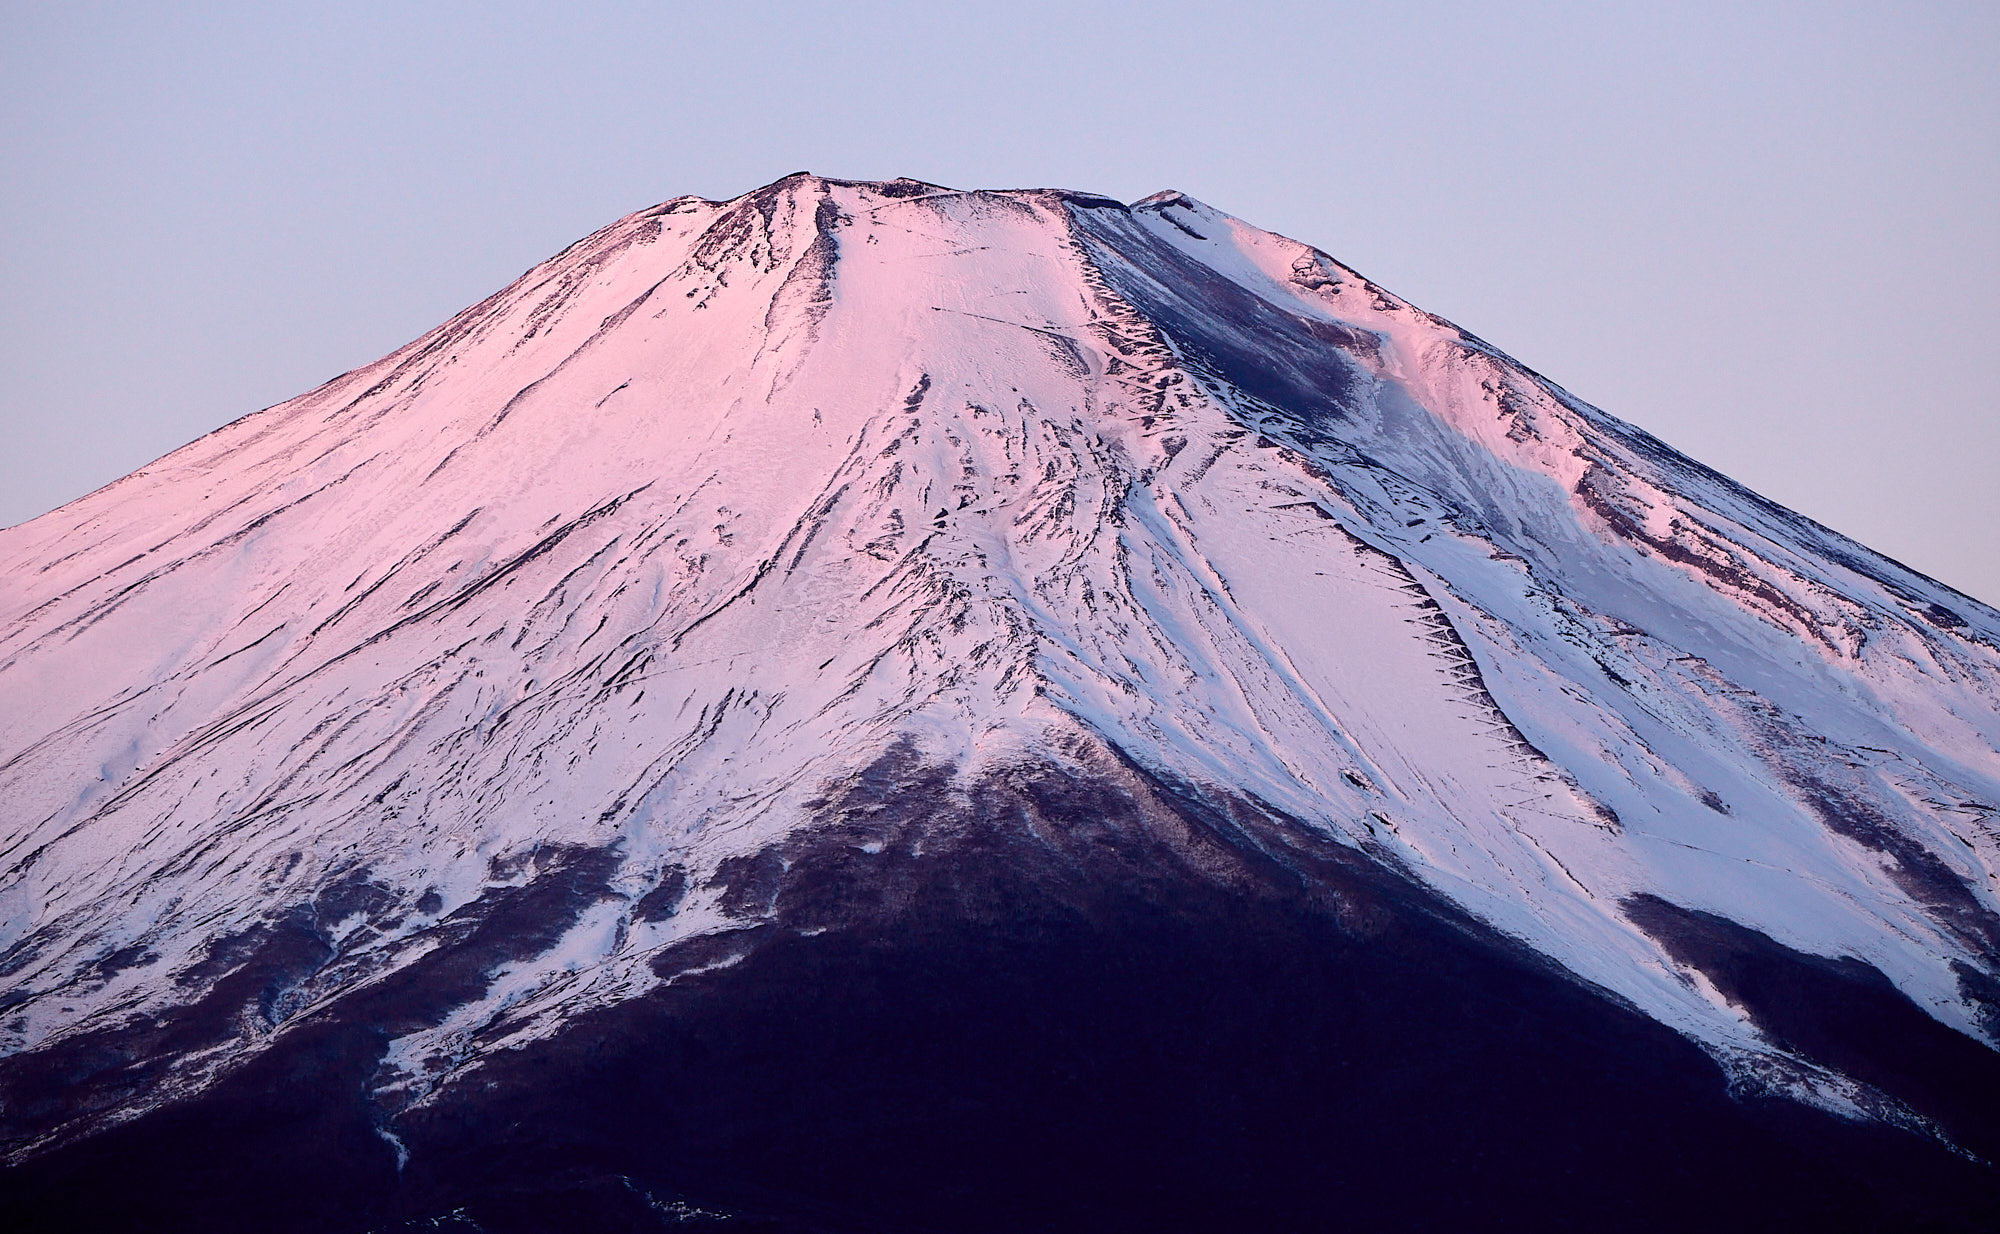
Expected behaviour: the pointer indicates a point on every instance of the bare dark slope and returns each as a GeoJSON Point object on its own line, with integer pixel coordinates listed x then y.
{"type": "Point", "coordinates": [1091, 1005]}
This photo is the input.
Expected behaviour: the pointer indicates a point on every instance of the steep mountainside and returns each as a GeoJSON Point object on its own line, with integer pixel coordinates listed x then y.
{"type": "Point", "coordinates": [871, 706]}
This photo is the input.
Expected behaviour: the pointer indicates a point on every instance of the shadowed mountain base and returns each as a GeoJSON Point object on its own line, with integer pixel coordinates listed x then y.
{"type": "Point", "coordinates": [1087, 1005]}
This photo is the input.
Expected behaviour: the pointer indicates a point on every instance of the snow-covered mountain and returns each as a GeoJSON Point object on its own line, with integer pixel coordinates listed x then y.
{"type": "Point", "coordinates": [761, 593]}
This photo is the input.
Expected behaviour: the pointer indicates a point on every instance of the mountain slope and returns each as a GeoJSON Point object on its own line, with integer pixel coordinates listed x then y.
{"type": "Point", "coordinates": [755, 574]}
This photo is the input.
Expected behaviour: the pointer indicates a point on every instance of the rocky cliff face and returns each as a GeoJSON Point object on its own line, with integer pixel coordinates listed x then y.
{"type": "Point", "coordinates": [871, 706]}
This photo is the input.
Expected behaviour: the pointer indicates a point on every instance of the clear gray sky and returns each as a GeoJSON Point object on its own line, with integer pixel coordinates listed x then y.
{"type": "Point", "coordinates": [1767, 232]}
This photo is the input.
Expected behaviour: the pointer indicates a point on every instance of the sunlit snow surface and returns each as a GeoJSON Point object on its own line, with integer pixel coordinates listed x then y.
{"type": "Point", "coordinates": [652, 550]}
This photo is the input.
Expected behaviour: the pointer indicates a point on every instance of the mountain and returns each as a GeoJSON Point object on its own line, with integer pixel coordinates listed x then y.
{"type": "Point", "coordinates": [874, 707]}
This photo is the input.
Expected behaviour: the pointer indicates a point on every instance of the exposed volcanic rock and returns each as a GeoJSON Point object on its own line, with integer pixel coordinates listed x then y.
{"type": "Point", "coordinates": [870, 707]}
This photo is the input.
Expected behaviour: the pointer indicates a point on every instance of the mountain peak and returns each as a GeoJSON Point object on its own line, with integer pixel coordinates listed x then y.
{"type": "Point", "coordinates": [1166, 198]}
{"type": "Point", "coordinates": [760, 572]}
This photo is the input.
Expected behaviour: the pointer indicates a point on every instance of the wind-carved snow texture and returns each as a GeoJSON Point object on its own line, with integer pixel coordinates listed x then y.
{"type": "Point", "coordinates": [473, 685]}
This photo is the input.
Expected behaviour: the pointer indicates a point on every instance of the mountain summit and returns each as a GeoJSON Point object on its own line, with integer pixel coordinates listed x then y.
{"type": "Point", "coordinates": [869, 706]}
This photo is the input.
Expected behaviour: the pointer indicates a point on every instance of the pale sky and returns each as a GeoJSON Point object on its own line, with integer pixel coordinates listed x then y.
{"type": "Point", "coordinates": [1766, 233]}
